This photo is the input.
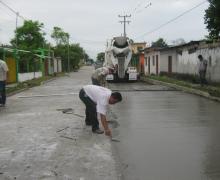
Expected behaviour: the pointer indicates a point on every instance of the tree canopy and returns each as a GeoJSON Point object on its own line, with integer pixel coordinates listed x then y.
{"type": "Point", "coordinates": [29, 36]}
{"type": "Point", "coordinates": [178, 41]}
{"type": "Point", "coordinates": [62, 48]}
{"type": "Point", "coordinates": [60, 36]}
{"type": "Point", "coordinates": [212, 19]}
{"type": "Point", "coordinates": [159, 43]}
{"type": "Point", "coordinates": [76, 53]}
{"type": "Point", "coordinates": [100, 57]}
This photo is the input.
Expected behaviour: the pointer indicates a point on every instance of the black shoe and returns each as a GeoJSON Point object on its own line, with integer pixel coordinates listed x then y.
{"type": "Point", "coordinates": [98, 131]}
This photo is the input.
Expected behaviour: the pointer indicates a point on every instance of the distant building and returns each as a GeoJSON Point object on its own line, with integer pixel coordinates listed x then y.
{"type": "Point", "coordinates": [137, 47]}
{"type": "Point", "coordinates": [158, 60]}
{"type": "Point", "coordinates": [188, 63]}
{"type": "Point", "coordinates": [138, 56]}
{"type": "Point", "coordinates": [183, 59]}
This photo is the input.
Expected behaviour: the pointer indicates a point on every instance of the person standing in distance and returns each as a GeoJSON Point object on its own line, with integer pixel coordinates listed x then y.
{"type": "Point", "coordinates": [96, 100]}
{"type": "Point", "coordinates": [3, 78]}
{"type": "Point", "coordinates": [202, 69]}
{"type": "Point", "coordinates": [99, 75]}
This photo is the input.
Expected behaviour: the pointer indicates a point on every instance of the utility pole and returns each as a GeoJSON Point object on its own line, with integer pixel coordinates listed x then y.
{"type": "Point", "coordinates": [124, 21]}
{"type": "Point", "coordinates": [68, 55]}
{"type": "Point", "coordinates": [16, 47]}
{"type": "Point", "coordinates": [17, 14]}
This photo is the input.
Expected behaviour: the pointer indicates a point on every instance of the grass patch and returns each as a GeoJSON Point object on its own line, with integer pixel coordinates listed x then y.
{"type": "Point", "coordinates": [213, 89]}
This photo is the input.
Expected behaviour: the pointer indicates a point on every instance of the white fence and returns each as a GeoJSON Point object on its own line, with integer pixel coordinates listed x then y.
{"type": "Point", "coordinates": [28, 76]}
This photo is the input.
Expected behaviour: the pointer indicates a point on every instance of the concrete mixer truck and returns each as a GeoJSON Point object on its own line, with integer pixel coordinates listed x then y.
{"type": "Point", "coordinates": [118, 55]}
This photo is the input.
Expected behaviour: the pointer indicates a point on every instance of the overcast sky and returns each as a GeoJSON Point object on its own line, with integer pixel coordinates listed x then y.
{"type": "Point", "coordinates": [92, 22]}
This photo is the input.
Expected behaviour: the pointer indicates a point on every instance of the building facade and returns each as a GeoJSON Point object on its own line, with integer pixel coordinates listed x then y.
{"type": "Point", "coordinates": [183, 59]}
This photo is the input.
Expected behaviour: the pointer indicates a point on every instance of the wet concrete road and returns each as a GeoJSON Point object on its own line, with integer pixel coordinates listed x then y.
{"type": "Point", "coordinates": [166, 135]}
{"type": "Point", "coordinates": [39, 142]}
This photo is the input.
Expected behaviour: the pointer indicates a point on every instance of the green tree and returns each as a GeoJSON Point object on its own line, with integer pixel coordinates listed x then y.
{"type": "Point", "coordinates": [63, 49]}
{"type": "Point", "coordinates": [159, 43]}
{"type": "Point", "coordinates": [76, 53]}
{"type": "Point", "coordinates": [60, 36]}
{"type": "Point", "coordinates": [100, 57]}
{"type": "Point", "coordinates": [178, 41]}
{"type": "Point", "coordinates": [212, 19]}
{"type": "Point", "coordinates": [86, 57]}
{"type": "Point", "coordinates": [29, 36]}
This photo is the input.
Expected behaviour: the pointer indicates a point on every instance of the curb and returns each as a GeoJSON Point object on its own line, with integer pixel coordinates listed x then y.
{"type": "Point", "coordinates": [24, 89]}
{"type": "Point", "coordinates": [182, 88]}
{"type": "Point", "coordinates": [47, 81]}
{"type": "Point", "coordinates": [16, 92]}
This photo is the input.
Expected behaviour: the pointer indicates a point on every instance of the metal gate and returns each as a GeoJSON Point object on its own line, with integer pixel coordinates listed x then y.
{"type": "Point", "coordinates": [11, 62]}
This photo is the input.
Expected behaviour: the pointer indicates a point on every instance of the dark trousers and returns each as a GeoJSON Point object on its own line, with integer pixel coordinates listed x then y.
{"type": "Point", "coordinates": [2, 92]}
{"type": "Point", "coordinates": [202, 76]}
{"type": "Point", "coordinates": [95, 82]}
{"type": "Point", "coordinates": [91, 113]}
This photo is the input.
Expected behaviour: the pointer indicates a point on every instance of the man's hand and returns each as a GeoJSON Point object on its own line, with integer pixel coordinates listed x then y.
{"type": "Point", "coordinates": [108, 132]}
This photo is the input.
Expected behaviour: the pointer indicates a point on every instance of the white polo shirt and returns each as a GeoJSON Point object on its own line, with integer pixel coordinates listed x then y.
{"type": "Point", "coordinates": [3, 70]}
{"type": "Point", "coordinates": [100, 96]}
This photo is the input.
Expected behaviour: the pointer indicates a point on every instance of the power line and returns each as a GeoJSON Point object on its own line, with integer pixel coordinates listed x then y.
{"type": "Point", "coordinates": [145, 7]}
{"type": "Point", "coordinates": [137, 10]}
{"type": "Point", "coordinates": [138, 5]}
{"type": "Point", "coordinates": [5, 12]}
{"type": "Point", "coordinates": [168, 22]}
{"type": "Point", "coordinates": [8, 7]}
{"type": "Point", "coordinates": [12, 10]}
{"type": "Point", "coordinates": [83, 41]}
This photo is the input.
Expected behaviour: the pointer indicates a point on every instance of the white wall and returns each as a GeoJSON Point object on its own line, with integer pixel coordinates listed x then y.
{"type": "Point", "coordinates": [189, 63]}
{"type": "Point", "coordinates": [162, 61]}
{"type": "Point", "coordinates": [186, 63]}
{"type": "Point", "coordinates": [164, 55]}
{"type": "Point", "coordinates": [213, 71]}
{"type": "Point", "coordinates": [57, 65]}
{"type": "Point", "coordinates": [152, 66]}
{"type": "Point", "coordinates": [28, 76]}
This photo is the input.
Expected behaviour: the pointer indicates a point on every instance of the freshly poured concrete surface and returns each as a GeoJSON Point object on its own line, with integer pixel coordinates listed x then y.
{"type": "Point", "coordinates": [39, 142]}
{"type": "Point", "coordinates": [164, 135]}
{"type": "Point", "coordinates": [167, 135]}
